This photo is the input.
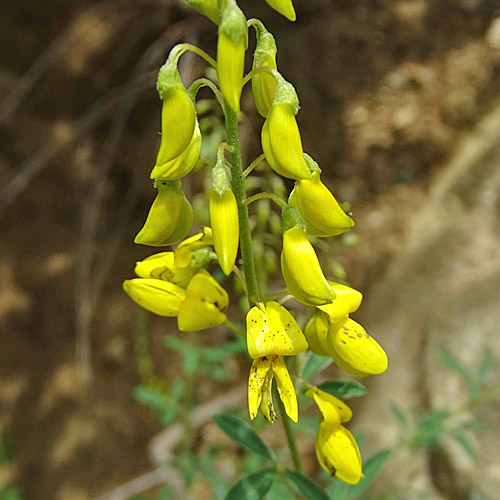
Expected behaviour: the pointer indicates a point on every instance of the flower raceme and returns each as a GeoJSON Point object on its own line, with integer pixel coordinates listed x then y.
{"type": "Point", "coordinates": [336, 448]}
{"type": "Point", "coordinates": [170, 217]}
{"type": "Point", "coordinates": [202, 305]}
{"type": "Point", "coordinates": [272, 332]}
{"type": "Point", "coordinates": [317, 205]}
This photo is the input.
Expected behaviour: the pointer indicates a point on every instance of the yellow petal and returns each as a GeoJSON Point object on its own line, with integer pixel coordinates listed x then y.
{"type": "Point", "coordinates": [263, 83]}
{"type": "Point", "coordinates": [184, 251]}
{"type": "Point", "coordinates": [178, 118]}
{"type": "Point", "coordinates": [359, 352]}
{"type": "Point", "coordinates": [183, 164]}
{"type": "Point", "coordinates": [284, 7]}
{"type": "Point", "coordinates": [161, 266]}
{"type": "Point", "coordinates": [225, 226]}
{"type": "Point", "coordinates": [285, 387]}
{"type": "Point", "coordinates": [333, 410]}
{"type": "Point", "coordinates": [271, 329]}
{"type": "Point", "coordinates": [204, 305]}
{"type": "Point", "coordinates": [302, 271]}
{"type": "Point", "coordinates": [267, 405]}
{"type": "Point", "coordinates": [159, 297]}
{"type": "Point", "coordinates": [347, 301]}
{"type": "Point", "coordinates": [282, 144]}
{"type": "Point", "coordinates": [338, 453]}
{"type": "Point", "coordinates": [207, 8]}
{"type": "Point", "coordinates": [319, 208]}
{"type": "Point", "coordinates": [256, 380]}
{"type": "Point", "coordinates": [185, 222]}
{"type": "Point", "coordinates": [316, 333]}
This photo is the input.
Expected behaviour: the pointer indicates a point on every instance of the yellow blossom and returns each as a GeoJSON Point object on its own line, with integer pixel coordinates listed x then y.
{"type": "Point", "coordinates": [159, 297]}
{"type": "Point", "coordinates": [347, 301]}
{"type": "Point", "coordinates": [170, 217]}
{"type": "Point", "coordinates": [284, 7]}
{"type": "Point", "coordinates": [207, 8]}
{"type": "Point", "coordinates": [204, 305]}
{"type": "Point", "coordinates": [183, 254]}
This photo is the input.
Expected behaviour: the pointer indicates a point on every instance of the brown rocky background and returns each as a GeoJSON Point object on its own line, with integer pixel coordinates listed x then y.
{"type": "Point", "coordinates": [400, 105]}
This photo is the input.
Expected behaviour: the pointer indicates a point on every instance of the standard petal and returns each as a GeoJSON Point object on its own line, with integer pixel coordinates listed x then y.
{"type": "Point", "coordinates": [347, 301]}
{"type": "Point", "coordinates": [338, 454]}
{"type": "Point", "coordinates": [159, 297]}
{"type": "Point", "coordinates": [333, 410]}
{"type": "Point", "coordinates": [258, 374]}
{"type": "Point", "coordinates": [358, 351]}
{"type": "Point", "coordinates": [285, 387]}
{"type": "Point", "coordinates": [271, 329]}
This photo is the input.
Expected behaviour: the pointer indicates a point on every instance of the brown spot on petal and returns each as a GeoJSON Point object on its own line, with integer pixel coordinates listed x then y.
{"type": "Point", "coordinates": [360, 335]}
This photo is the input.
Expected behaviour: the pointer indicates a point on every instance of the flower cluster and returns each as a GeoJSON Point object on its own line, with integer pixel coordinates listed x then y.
{"type": "Point", "coordinates": [175, 283]}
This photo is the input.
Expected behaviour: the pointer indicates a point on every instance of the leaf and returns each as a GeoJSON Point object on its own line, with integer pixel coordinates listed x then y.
{"type": "Point", "coordinates": [485, 367]}
{"type": "Point", "coordinates": [454, 364]}
{"type": "Point", "coordinates": [252, 486]}
{"type": "Point", "coordinates": [243, 434]}
{"type": "Point", "coordinates": [464, 442]}
{"type": "Point", "coordinates": [371, 467]}
{"type": "Point", "coordinates": [344, 389]}
{"type": "Point", "coordinates": [306, 486]}
{"type": "Point", "coordinates": [190, 354]}
{"type": "Point", "coordinates": [314, 364]}
{"type": "Point", "coordinates": [398, 412]}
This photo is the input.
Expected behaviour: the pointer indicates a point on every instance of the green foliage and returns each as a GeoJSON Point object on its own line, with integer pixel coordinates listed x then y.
{"type": "Point", "coordinates": [308, 488]}
{"type": "Point", "coordinates": [344, 389]}
{"type": "Point", "coordinates": [313, 364]}
{"type": "Point", "coordinates": [252, 486]}
{"type": "Point", "coordinates": [243, 434]}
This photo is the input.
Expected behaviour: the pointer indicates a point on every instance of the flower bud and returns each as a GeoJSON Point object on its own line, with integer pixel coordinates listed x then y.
{"type": "Point", "coordinates": [178, 115]}
{"type": "Point", "coordinates": [333, 411]}
{"type": "Point", "coordinates": [183, 164]}
{"type": "Point", "coordinates": [301, 269]}
{"type": "Point", "coordinates": [206, 7]}
{"type": "Point", "coordinates": [231, 46]}
{"type": "Point", "coordinates": [170, 217]}
{"type": "Point", "coordinates": [205, 304]}
{"type": "Point", "coordinates": [157, 296]}
{"type": "Point", "coordinates": [319, 208]}
{"type": "Point", "coordinates": [280, 135]}
{"type": "Point", "coordinates": [264, 83]}
{"type": "Point", "coordinates": [284, 7]}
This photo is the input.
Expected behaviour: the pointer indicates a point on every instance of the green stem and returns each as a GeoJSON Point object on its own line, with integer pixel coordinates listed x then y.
{"type": "Point", "coordinates": [205, 82]}
{"type": "Point", "coordinates": [238, 186]}
{"type": "Point", "coordinates": [233, 327]}
{"type": "Point", "coordinates": [193, 48]}
{"type": "Point", "coordinates": [252, 165]}
{"type": "Point", "coordinates": [270, 196]}
{"type": "Point", "coordinates": [290, 435]}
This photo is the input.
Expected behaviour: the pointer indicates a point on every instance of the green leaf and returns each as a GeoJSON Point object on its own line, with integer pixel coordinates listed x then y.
{"type": "Point", "coordinates": [371, 467]}
{"type": "Point", "coordinates": [314, 364]}
{"type": "Point", "coordinates": [454, 363]}
{"type": "Point", "coordinates": [190, 354]}
{"type": "Point", "coordinates": [306, 486]}
{"type": "Point", "coordinates": [485, 367]}
{"type": "Point", "coordinates": [398, 412]}
{"type": "Point", "coordinates": [464, 442]}
{"type": "Point", "coordinates": [252, 486]}
{"type": "Point", "coordinates": [344, 389]}
{"type": "Point", "coordinates": [243, 434]}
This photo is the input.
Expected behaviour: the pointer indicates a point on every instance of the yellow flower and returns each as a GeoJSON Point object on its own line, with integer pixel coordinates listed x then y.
{"type": "Point", "coordinates": [282, 144]}
{"type": "Point", "coordinates": [272, 332]}
{"type": "Point", "coordinates": [336, 449]}
{"type": "Point", "coordinates": [225, 226]}
{"type": "Point", "coordinates": [231, 46]}
{"type": "Point", "coordinates": [159, 297]}
{"type": "Point", "coordinates": [178, 120]}
{"type": "Point", "coordinates": [185, 251]}
{"type": "Point", "coordinates": [170, 216]}
{"type": "Point", "coordinates": [207, 8]}
{"type": "Point", "coordinates": [263, 83]}
{"type": "Point", "coordinates": [347, 301]}
{"type": "Point", "coordinates": [318, 207]}
{"type": "Point", "coordinates": [284, 7]}
{"type": "Point", "coordinates": [204, 305]}
{"type": "Point", "coordinates": [183, 164]}
{"type": "Point", "coordinates": [301, 269]}
{"type": "Point", "coordinates": [162, 266]}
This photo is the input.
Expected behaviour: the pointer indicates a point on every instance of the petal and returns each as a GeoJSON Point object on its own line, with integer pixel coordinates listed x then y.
{"type": "Point", "coordinates": [359, 353]}
{"type": "Point", "coordinates": [161, 266]}
{"type": "Point", "coordinates": [225, 226]}
{"type": "Point", "coordinates": [338, 454]}
{"type": "Point", "coordinates": [284, 7]}
{"type": "Point", "coordinates": [301, 270]}
{"type": "Point", "coordinates": [347, 301]}
{"type": "Point", "coordinates": [285, 387]}
{"type": "Point", "coordinates": [267, 405]}
{"type": "Point", "coordinates": [159, 297]}
{"type": "Point", "coordinates": [263, 83]}
{"type": "Point", "coordinates": [316, 333]}
{"type": "Point", "coordinates": [333, 410]}
{"type": "Point", "coordinates": [258, 374]}
{"type": "Point", "coordinates": [271, 329]}
{"type": "Point", "coordinates": [204, 305]}
{"type": "Point", "coordinates": [184, 251]}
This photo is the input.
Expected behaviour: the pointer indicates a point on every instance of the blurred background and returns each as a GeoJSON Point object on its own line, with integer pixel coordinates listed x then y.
{"type": "Point", "coordinates": [400, 105]}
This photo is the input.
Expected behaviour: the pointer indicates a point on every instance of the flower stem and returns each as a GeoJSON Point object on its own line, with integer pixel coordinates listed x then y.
{"type": "Point", "coordinates": [290, 435]}
{"type": "Point", "coordinates": [237, 182]}
{"type": "Point", "coordinates": [270, 196]}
